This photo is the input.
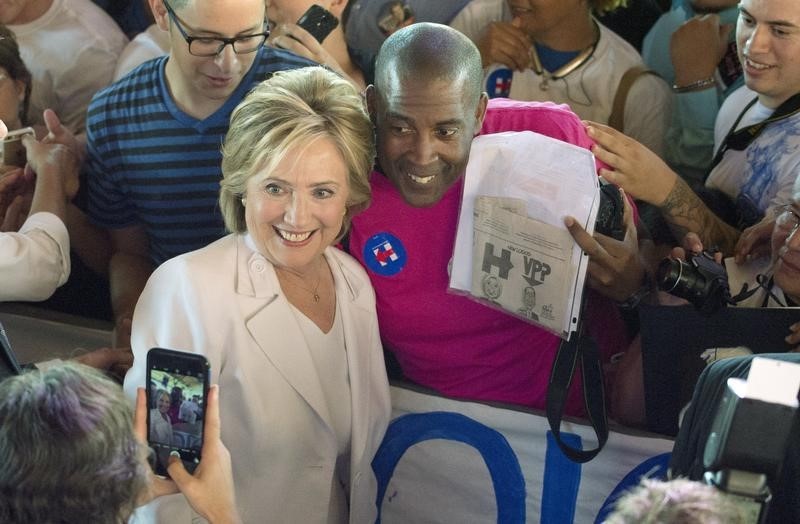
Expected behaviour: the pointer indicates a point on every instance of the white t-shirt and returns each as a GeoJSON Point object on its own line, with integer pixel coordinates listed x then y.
{"type": "Point", "coordinates": [761, 177]}
{"type": "Point", "coordinates": [149, 44]}
{"type": "Point", "coordinates": [588, 90]}
{"type": "Point", "coordinates": [71, 52]}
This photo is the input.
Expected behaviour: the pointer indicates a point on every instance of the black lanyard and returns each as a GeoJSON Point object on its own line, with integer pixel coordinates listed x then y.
{"type": "Point", "coordinates": [739, 140]}
{"type": "Point", "coordinates": [762, 282]}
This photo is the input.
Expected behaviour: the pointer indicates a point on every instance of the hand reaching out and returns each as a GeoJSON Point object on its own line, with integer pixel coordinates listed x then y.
{"type": "Point", "coordinates": [210, 490]}
{"type": "Point", "coordinates": [755, 241]}
{"type": "Point", "coordinates": [615, 267]}
{"type": "Point", "coordinates": [700, 32]}
{"type": "Point", "coordinates": [636, 169]}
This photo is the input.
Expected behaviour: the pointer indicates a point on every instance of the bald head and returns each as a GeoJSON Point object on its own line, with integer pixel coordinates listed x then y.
{"type": "Point", "coordinates": [432, 51]}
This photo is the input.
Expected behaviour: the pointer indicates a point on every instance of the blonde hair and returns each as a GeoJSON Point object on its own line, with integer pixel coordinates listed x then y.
{"type": "Point", "coordinates": [292, 108]}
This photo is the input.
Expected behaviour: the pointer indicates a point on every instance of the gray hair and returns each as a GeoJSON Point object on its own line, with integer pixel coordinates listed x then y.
{"type": "Point", "coordinates": [67, 448]}
{"type": "Point", "coordinates": [677, 501]}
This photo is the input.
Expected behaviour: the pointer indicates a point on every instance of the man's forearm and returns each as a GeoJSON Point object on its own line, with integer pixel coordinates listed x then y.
{"type": "Point", "coordinates": [686, 213]}
{"type": "Point", "coordinates": [128, 274]}
{"type": "Point", "coordinates": [90, 242]}
{"type": "Point", "coordinates": [49, 194]}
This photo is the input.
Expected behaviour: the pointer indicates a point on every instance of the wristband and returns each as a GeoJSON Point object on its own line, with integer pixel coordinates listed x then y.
{"type": "Point", "coordinates": [633, 301]}
{"type": "Point", "coordinates": [697, 85]}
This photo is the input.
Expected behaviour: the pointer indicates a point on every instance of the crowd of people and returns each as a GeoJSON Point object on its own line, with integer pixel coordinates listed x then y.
{"type": "Point", "coordinates": [287, 207]}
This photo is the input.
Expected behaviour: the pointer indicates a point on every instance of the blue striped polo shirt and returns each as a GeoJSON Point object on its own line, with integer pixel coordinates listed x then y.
{"type": "Point", "coordinates": [151, 164]}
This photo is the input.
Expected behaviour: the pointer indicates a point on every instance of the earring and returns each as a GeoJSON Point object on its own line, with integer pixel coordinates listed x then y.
{"type": "Point", "coordinates": [244, 201]}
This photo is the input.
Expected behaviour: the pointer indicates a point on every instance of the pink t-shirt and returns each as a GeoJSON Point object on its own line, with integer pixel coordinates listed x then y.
{"type": "Point", "coordinates": [445, 341]}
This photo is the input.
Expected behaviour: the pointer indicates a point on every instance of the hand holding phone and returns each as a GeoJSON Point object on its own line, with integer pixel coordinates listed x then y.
{"type": "Point", "coordinates": [13, 150]}
{"type": "Point", "coordinates": [318, 21]}
{"type": "Point", "coordinates": [210, 489]}
{"type": "Point", "coordinates": [177, 395]}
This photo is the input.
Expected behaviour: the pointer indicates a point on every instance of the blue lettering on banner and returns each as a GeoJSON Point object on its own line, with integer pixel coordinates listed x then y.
{"type": "Point", "coordinates": [654, 467]}
{"type": "Point", "coordinates": [500, 459]}
{"type": "Point", "coordinates": [560, 483]}
{"type": "Point", "coordinates": [562, 478]}
{"type": "Point", "coordinates": [384, 254]}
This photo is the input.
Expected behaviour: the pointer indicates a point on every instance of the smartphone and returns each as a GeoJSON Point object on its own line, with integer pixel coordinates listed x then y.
{"type": "Point", "coordinates": [13, 150]}
{"type": "Point", "coordinates": [177, 395]}
{"type": "Point", "coordinates": [318, 21]}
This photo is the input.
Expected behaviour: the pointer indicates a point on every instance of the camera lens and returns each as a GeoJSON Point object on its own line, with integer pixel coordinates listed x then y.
{"type": "Point", "coordinates": [680, 279]}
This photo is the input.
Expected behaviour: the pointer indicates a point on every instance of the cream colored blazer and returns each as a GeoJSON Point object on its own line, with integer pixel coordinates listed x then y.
{"type": "Point", "coordinates": [224, 301]}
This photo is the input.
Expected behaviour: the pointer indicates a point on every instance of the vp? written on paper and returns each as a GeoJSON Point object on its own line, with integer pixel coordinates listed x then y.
{"type": "Point", "coordinates": [512, 249]}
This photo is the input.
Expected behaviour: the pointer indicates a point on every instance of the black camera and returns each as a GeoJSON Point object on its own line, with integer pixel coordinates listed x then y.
{"type": "Point", "coordinates": [610, 213]}
{"type": "Point", "coordinates": [699, 279]}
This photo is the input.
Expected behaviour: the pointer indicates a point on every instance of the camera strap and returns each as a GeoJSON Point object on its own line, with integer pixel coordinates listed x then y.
{"type": "Point", "coordinates": [8, 361]}
{"type": "Point", "coordinates": [581, 347]}
{"type": "Point", "coordinates": [739, 140]}
{"type": "Point", "coordinates": [762, 282]}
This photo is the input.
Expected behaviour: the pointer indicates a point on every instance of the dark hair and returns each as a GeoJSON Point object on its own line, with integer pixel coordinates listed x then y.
{"type": "Point", "coordinates": [11, 61]}
{"type": "Point", "coordinates": [67, 448]}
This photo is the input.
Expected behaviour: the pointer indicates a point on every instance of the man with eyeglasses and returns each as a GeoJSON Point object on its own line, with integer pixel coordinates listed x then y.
{"type": "Point", "coordinates": [778, 276]}
{"type": "Point", "coordinates": [154, 137]}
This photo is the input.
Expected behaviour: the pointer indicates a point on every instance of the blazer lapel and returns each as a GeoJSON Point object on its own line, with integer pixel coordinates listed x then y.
{"type": "Point", "coordinates": [354, 316]}
{"type": "Point", "coordinates": [273, 326]}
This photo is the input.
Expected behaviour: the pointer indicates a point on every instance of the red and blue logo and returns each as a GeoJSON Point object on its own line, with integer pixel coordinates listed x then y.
{"type": "Point", "coordinates": [498, 83]}
{"type": "Point", "coordinates": [384, 254]}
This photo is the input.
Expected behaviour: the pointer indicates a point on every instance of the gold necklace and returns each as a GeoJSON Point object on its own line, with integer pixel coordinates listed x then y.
{"type": "Point", "coordinates": [314, 291]}
{"type": "Point", "coordinates": [567, 68]}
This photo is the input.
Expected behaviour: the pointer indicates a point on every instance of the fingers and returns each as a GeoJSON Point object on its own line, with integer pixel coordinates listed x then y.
{"type": "Point", "coordinates": [606, 147]}
{"type": "Point", "coordinates": [28, 141]}
{"type": "Point", "coordinates": [177, 472]}
{"type": "Point", "coordinates": [160, 487]}
{"type": "Point", "coordinates": [793, 338]}
{"type": "Point", "coordinates": [678, 253]}
{"type": "Point", "coordinates": [211, 432]}
{"type": "Point", "coordinates": [692, 243]}
{"type": "Point", "coordinates": [754, 241]}
{"type": "Point", "coordinates": [631, 235]}
{"type": "Point", "coordinates": [140, 416]}
{"type": "Point", "coordinates": [504, 43]}
{"type": "Point", "coordinates": [588, 244]}
{"type": "Point", "coordinates": [52, 122]}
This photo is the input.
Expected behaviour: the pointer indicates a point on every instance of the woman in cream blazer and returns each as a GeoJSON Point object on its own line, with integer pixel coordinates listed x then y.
{"type": "Point", "coordinates": [254, 301]}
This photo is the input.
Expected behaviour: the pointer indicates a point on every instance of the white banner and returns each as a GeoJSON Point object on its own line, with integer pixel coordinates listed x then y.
{"type": "Point", "coordinates": [445, 461]}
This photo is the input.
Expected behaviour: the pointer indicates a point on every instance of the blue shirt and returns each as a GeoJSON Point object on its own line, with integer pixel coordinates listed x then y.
{"type": "Point", "coordinates": [151, 164]}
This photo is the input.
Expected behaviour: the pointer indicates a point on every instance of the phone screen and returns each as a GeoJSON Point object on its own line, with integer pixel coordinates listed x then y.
{"type": "Point", "coordinates": [177, 395]}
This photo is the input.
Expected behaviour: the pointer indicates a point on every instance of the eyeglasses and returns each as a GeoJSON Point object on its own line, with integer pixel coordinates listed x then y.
{"type": "Point", "coordinates": [209, 46]}
{"type": "Point", "coordinates": [788, 219]}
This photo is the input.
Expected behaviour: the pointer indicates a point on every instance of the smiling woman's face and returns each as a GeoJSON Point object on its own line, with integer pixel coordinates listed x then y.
{"type": "Point", "coordinates": [295, 211]}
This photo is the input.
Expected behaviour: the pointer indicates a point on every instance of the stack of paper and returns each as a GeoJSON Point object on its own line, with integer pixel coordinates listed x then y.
{"type": "Point", "coordinates": [512, 249]}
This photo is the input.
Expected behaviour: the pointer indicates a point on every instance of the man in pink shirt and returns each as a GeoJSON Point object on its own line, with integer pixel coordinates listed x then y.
{"type": "Point", "coordinates": [427, 106]}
